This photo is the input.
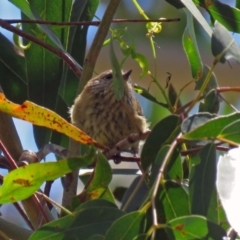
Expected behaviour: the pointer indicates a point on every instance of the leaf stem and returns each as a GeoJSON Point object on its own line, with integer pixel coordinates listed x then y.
{"type": "Point", "coordinates": [55, 203]}
{"type": "Point", "coordinates": [203, 87]}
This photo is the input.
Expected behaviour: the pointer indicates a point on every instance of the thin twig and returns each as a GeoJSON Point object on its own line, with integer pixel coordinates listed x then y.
{"type": "Point", "coordinates": [23, 214]}
{"type": "Point", "coordinates": [55, 203]}
{"type": "Point", "coordinates": [120, 146]}
{"type": "Point", "coordinates": [158, 181]}
{"type": "Point", "coordinates": [131, 198]}
{"type": "Point", "coordinates": [89, 64]}
{"type": "Point", "coordinates": [58, 52]}
{"type": "Point", "coordinates": [8, 156]}
{"type": "Point", "coordinates": [90, 23]}
{"type": "Point", "coordinates": [40, 207]}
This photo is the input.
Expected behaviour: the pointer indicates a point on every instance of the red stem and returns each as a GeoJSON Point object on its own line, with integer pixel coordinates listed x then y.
{"type": "Point", "coordinates": [61, 54]}
{"type": "Point", "coordinates": [8, 156]}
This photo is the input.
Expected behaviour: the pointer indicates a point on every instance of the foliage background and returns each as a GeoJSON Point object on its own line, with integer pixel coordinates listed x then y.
{"type": "Point", "coordinates": [171, 57]}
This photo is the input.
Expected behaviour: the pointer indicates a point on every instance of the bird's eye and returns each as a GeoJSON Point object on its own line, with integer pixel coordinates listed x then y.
{"type": "Point", "coordinates": [108, 76]}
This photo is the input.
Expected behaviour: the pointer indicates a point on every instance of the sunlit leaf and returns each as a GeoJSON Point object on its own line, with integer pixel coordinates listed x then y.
{"type": "Point", "coordinates": [225, 14]}
{"type": "Point", "coordinates": [118, 85]}
{"type": "Point", "coordinates": [172, 201]}
{"type": "Point", "coordinates": [24, 181]}
{"type": "Point", "coordinates": [142, 61]}
{"type": "Point", "coordinates": [98, 186]}
{"type": "Point", "coordinates": [145, 93]}
{"type": "Point", "coordinates": [196, 120]}
{"type": "Point", "coordinates": [41, 116]}
{"type": "Point", "coordinates": [193, 227]}
{"type": "Point", "coordinates": [222, 128]}
{"type": "Point", "coordinates": [191, 48]}
{"type": "Point", "coordinates": [31, 13]}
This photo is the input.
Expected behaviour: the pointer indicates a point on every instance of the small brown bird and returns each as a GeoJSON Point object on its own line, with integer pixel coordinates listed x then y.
{"type": "Point", "coordinates": [97, 112]}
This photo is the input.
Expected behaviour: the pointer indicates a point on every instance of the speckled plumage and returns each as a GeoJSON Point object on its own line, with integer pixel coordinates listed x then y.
{"type": "Point", "coordinates": [97, 112]}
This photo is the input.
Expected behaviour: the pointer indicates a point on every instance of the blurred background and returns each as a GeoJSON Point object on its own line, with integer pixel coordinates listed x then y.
{"type": "Point", "coordinates": [170, 58]}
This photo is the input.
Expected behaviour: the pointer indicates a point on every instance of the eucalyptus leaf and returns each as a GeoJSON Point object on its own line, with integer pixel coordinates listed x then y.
{"type": "Point", "coordinates": [223, 44]}
{"type": "Point", "coordinates": [118, 85]}
{"type": "Point", "coordinates": [221, 127]}
{"type": "Point", "coordinates": [202, 189]}
{"type": "Point", "coordinates": [195, 121]}
{"type": "Point", "coordinates": [162, 133]}
{"type": "Point", "coordinates": [191, 48]}
{"type": "Point", "coordinates": [81, 225]}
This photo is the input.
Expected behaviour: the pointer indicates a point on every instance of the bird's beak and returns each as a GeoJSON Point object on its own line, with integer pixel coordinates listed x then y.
{"type": "Point", "coordinates": [127, 74]}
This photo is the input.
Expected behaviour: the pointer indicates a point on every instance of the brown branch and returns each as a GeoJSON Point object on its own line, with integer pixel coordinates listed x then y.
{"type": "Point", "coordinates": [120, 146]}
{"type": "Point", "coordinates": [71, 180]}
{"type": "Point", "coordinates": [91, 23]}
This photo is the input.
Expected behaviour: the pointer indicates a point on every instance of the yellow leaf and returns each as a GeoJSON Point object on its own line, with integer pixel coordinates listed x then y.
{"type": "Point", "coordinates": [41, 116]}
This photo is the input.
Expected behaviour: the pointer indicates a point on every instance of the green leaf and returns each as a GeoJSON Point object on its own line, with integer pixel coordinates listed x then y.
{"type": "Point", "coordinates": [145, 93]}
{"type": "Point", "coordinates": [196, 120]}
{"type": "Point", "coordinates": [44, 69]}
{"type": "Point", "coordinates": [141, 191]}
{"type": "Point", "coordinates": [176, 3]}
{"type": "Point", "coordinates": [54, 9]}
{"type": "Point", "coordinates": [202, 189]}
{"type": "Point", "coordinates": [172, 95]}
{"type": "Point", "coordinates": [95, 203]}
{"type": "Point", "coordinates": [127, 227]}
{"type": "Point", "coordinates": [191, 48]}
{"type": "Point", "coordinates": [96, 237]}
{"type": "Point", "coordinates": [223, 44]}
{"type": "Point", "coordinates": [12, 71]}
{"type": "Point", "coordinates": [142, 62]}
{"type": "Point", "coordinates": [223, 127]}
{"type": "Point", "coordinates": [228, 16]}
{"type": "Point", "coordinates": [187, 228]}
{"type": "Point", "coordinates": [193, 227]}
{"type": "Point", "coordinates": [24, 181]}
{"type": "Point", "coordinates": [82, 10]}
{"type": "Point", "coordinates": [141, 237]}
{"type": "Point", "coordinates": [162, 133]}
{"type": "Point", "coordinates": [237, 5]}
{"type": "Point", "coordinates": [174, 169]}
{"type": "Point", "coordinates": [80, 225]}
{"type": "Point", "coordinates": [118, 85]}
{"type": "Point", "coordinates": [172, 201]}
{"type": "Point", "coordinates": [98, 187]}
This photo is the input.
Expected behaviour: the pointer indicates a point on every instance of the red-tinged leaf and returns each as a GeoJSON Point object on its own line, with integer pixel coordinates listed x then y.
{"type": "Point", "coordinates": [98, 187]}
{"type": "Point", "coordinates": [41, 116]}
